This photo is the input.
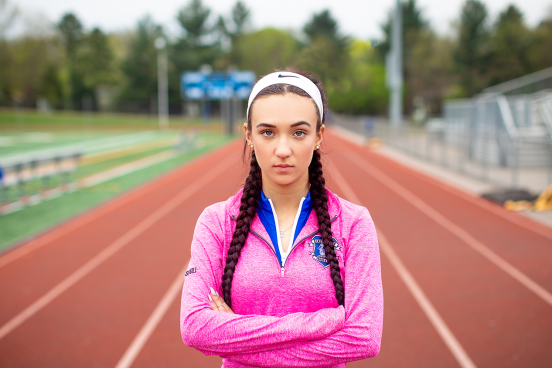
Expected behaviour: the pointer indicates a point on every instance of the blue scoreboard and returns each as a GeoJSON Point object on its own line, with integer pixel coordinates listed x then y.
{"type": "Point", "coordinates": [218, 85]}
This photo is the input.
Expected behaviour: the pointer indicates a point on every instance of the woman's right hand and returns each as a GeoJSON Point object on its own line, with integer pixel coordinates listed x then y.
{"type": "Point", "coordinates": [217, 303]}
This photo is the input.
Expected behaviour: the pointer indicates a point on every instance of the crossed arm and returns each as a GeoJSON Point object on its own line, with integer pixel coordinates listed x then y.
{"type": "Point", "coordinates": [217, 333]}
{"type": "Point", "coordinates": [324, 338]}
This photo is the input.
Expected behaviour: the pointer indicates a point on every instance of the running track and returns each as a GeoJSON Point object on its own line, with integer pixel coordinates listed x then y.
{"type": "Point", "coordinates": [466, 284]}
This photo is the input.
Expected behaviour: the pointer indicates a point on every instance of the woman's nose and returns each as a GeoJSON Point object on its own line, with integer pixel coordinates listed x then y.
{"type": "Point", "coordinates": [282, 149]}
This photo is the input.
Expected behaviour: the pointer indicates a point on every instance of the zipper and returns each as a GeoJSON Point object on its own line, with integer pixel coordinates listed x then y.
{"type": "Point", "coordinates": [263, 239]}
{"type": "Point", "coordinates": [282, 268]}
{"type": "Point", "coordinates": [260, 237]}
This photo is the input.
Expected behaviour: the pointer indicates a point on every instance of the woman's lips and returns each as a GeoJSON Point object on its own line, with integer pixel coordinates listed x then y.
{"type": "Point", "coordinates": [283, 169]}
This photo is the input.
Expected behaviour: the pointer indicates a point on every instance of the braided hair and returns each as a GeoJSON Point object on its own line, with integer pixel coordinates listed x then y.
{"type": "Point", "coordinates": [252, 192]}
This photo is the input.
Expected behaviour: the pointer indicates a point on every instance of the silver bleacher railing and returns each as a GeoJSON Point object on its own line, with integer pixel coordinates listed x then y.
{"type": "Point", "coordinates": [500, 137]}
{"type": "Point", "coordinates": [26, 179]}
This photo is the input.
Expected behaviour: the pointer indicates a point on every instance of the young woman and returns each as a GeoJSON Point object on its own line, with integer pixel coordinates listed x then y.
{"type": "Point", "coordinates": [285, 273]}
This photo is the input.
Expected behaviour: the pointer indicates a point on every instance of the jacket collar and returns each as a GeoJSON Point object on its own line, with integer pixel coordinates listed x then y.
{"type": "Point", "coordinates": [334, 209]}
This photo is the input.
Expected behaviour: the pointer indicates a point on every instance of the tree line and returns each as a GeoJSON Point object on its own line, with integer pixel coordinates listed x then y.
{"type": "Point", "coordinates": [78, 69]}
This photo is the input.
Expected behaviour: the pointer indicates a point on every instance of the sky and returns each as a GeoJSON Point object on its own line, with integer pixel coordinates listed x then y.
{"type": "Point", "coordinates": [360, 19]}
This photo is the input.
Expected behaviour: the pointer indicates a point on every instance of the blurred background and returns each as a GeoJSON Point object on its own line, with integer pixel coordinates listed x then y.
{"type": "Point", "coordinates": [100, 98]}
{"type": "Point", "coordinates": [74, 75]}
{"type": "Point", "coordinates": [63, 56]}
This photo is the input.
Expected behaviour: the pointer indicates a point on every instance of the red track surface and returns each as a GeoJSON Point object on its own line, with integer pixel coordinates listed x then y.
{"type": "Point", "coordinates": [92, 322]}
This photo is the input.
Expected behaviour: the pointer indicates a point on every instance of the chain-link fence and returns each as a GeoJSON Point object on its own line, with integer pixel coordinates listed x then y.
{"type": "Point", "coordinates": [502, 140]}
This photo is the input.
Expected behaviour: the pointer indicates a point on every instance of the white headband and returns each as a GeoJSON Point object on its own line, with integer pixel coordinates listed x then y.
{"type": "Point", "coordinates": [294, 79]}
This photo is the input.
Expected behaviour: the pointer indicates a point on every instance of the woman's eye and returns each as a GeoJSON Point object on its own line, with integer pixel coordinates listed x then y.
{"type": "Point", "coordinates": [300, 133]}
{"type": "Point", "coordinates": [267, 133]}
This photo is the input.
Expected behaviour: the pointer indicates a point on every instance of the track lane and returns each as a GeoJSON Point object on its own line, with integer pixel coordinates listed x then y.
{"type": "Point", "coordinates": [455, 348]}
{"type": "Point", "coordinates": [30, 274]}
{"type": "Point", "coordinates": [409, 338]}
{"type": "Point", "coordinates": [528, 250]}
{"type": "Point", "coordinates": [498, 321]}
{"type": "Point", "coordinates": [100, 329]}
{"type": "Point", "coordinates": [486, 313]}
{"type": "Point", "coordinates": [452, 227]}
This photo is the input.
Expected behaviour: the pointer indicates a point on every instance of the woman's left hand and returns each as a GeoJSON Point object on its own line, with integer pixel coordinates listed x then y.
{"type": "Point", "coordinates": [217, 303]}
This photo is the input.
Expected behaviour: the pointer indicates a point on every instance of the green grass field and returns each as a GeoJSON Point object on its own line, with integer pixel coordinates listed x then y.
{"type": "Point", "coordinates": [47, 134]}
{"type": "Point", "coordinates": [21, 121]}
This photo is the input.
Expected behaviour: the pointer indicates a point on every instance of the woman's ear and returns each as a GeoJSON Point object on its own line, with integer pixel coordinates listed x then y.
{"type": "Point", "coordinates": [319, 136]}
{"type": "Point", "coordinates": [247, 133]}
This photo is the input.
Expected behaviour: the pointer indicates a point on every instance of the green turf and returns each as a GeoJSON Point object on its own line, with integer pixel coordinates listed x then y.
{"type": "Point", "coordinates": [14, 144]}
{"type": "Point", "coordinates": [19, 225]}
{"type": "Point", "coordinates": [20, 118]}
{"type": "Point", "coordinates": [29, 121]}
{"type": "Point", "coordinates": [34, 186]}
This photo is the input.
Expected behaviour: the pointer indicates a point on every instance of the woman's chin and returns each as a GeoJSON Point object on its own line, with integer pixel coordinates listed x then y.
{"type": "Point", "coordinates": [283, 180]}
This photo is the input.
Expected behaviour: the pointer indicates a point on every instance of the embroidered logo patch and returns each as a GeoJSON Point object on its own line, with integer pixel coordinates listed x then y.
{"type": "Point", "coordinates": [318, 250]}
{"type": "Point", "coordinates": [190, 271]}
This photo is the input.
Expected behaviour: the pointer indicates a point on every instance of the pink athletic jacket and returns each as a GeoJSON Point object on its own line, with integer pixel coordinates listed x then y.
{"type": "Point", "coordinates": [285, 318]}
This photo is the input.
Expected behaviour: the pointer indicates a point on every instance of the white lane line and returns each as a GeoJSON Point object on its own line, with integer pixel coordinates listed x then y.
{"type": "Point", "coordinates": [434, 317]}
{"type": "Point", "coordinates": [521, 221]}
{"type": "Point", "coordinates": [484, 204]}
{"type": "Point", "coordinates": [452, 227]}
{"type": "Point", "coordinates": [145, 332]}
{"type": "Point", "coordinates": [124, 169]}
{"type": "Point", "coordinates": [429, 310]}
{"type": "Point", "coordinates": [115, 246]}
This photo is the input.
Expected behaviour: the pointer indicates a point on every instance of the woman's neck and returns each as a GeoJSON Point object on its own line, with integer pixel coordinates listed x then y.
{"type": "Point", "coordinates": [286, 198]}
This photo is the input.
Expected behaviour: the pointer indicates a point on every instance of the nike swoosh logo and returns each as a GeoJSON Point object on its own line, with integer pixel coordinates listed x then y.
{"type": "Point", "coordinates": [288, 76]}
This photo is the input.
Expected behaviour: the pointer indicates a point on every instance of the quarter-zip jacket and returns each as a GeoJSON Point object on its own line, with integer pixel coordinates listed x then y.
{"type": "Point", "coordinates": [290, 318]}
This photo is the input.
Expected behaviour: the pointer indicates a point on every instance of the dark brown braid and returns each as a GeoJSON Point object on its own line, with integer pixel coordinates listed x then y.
{"type": "Point", "coordinates": [248, 209]}
{"type": "Point", "coordinates": [319, 199]}
{"type": "Point", "coordinates": [252, 191]}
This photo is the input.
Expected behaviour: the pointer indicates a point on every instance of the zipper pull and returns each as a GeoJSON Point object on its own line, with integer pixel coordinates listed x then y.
{"type": "Point", "coordinates": [282, 271]}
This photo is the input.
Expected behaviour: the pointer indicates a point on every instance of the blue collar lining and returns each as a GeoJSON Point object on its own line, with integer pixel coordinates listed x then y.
{"type": "Point", "coordinates": [268, 219]}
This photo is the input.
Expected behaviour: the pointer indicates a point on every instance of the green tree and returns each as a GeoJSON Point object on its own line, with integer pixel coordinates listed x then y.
{"type": "Point", "coordinates": [266, 50]}
{"type": "Point", "coordinates": [52, 85]}
{"type": "Point", "coordinates": [240, 18]}
{"type": "Point", "coordinates": [324, 25]}
{"type": "Point", "coordinates": [472, 53]}
{"type": "Point", "coordinates": [361, 90]}
{"type": "Point", "coordinates": [325, 59]}
{"type": "Point", "coordinates": [325, 55]}
{"type": "Point", "coordinates": [432, 70]}
{"type": "Point", "coordinates": [6, 78]}
{"type": "Point", "coordinates": [32, 61]}
{"type": "Point", "coordinates": [193, 18]}
{"type": "Point", "coordinates": [95, 60]}
{"type": "Point", "coordinates": [8, 14]}
{"type": "Point", "coordinates": [72, 34]}
{"type": "Point", "coordinates": [540, 48]}
{"type": "Point", "coordinates": [240, 15]}
{"type": "Point", "coordinates": [192, 49]}
{"type": "Point", "coordinates": [509, 46]}
{"type": "Point", "coordinates": [140, 68]}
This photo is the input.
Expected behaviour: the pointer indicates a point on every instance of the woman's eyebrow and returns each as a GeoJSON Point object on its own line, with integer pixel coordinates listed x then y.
{"type": "Point", "coordinates": [300, 123]}
{"type": "Point", "coordinates": [265, 125]}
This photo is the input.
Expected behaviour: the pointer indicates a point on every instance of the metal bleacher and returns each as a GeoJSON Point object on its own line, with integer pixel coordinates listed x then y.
{"type": "Point", "coordinates": [508, 125]}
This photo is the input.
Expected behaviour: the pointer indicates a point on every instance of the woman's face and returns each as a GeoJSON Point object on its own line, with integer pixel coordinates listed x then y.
{"type": "Point", "coordinates": [284, 137]}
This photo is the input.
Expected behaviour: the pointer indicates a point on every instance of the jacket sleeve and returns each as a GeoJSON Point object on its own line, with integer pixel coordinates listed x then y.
{"type": "Point", "coordinates": [360, 338]}
{"type": "Point", "coordinates": [218, 333]}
